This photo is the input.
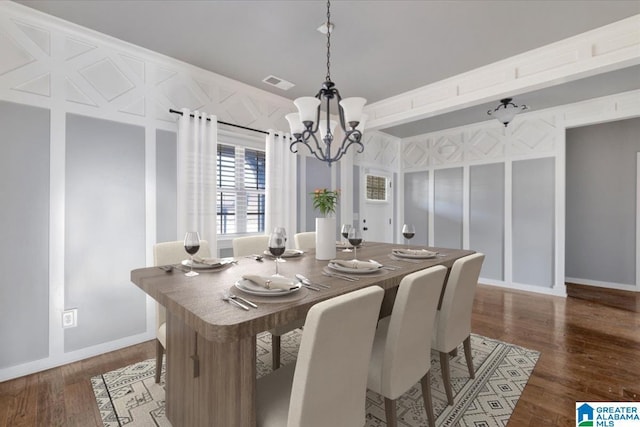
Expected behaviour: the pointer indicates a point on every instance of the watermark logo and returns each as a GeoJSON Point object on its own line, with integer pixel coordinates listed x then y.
{"type": "Point", "coordinates": [607, 414]}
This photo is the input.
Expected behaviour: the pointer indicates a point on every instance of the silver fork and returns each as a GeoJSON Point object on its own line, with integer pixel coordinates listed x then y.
{"type": "Point", "coordinates": [246, 301]}
{"type": "Point", "coordinates": [226, 297]}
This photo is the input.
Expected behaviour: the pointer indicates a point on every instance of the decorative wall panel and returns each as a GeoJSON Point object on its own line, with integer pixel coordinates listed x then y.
{"type": "Point", "coordinates": [166, 186]}
{"type": "Point", "coordinates": [104, 230]}
{"type": "Point", "coordinates": [416, 205]}
{"type": "Point", "coordinates": [448, 207]}
{"type": "Point", "coordinates": [380, 150]}
{"type": "Point", "coordinates": [24, 231]}
{"type": "Point", "coordinates": [486, 217]}
{"type": "Point", "coordinates": [533, 222]}
{"type": "Point", "coordinates": [120, 78]}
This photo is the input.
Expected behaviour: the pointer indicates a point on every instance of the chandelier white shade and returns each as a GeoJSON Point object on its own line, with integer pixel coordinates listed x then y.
{"type": "Point", "coordinates": [506, 111]}
{"type": "Point", "coordinates": [316, 133]}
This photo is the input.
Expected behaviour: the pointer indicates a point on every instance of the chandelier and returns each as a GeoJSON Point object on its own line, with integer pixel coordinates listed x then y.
{"type": "Point", "coordinates": [506, 111]}
{"type": "Point", "coordinates": [318, 134]}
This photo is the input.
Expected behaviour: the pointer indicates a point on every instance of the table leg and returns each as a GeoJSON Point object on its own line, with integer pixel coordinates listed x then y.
{"type": "Point", "coordinates": [209, 383]}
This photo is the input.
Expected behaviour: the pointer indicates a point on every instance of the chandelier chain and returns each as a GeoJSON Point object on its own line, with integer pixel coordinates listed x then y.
{"type": "Point", "coordinates": [328, 78]}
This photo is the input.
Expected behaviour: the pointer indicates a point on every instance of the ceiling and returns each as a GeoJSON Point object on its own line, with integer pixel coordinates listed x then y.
{"type": "Point", "coordinates": [378, 48]}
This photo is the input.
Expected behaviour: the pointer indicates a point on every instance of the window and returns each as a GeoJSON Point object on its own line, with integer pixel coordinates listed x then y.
{"type": "Point", "coordinates": [376, 188]}
{"type": "Point", "coordinates": [241, 179]}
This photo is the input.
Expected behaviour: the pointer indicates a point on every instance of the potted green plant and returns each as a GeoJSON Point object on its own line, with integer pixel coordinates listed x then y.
{"type": "Point", "coordinates": [326, 202]}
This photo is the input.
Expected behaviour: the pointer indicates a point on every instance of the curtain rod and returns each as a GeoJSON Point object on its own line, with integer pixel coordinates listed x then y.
{"type": "Point", "coordinates": [171, 110]}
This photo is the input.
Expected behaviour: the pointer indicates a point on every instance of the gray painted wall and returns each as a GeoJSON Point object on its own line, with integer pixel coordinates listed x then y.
{"type": "Point", "coordinates": [533, 222]}
{"type": "Point", "coordinates": [601, 202]}
{"type": "Point", "coordinates": [448, 208]}
{"type": "Point", "coordinates": [416, 205]}
{"type": "Point", "coordinates": [24, 224]}
{"type": "Point", "coordinates": [486, 217]}
{"type": "Point", "coordinates": [166, 186]}
{"type": "Point", "coordinates": [104, 229]}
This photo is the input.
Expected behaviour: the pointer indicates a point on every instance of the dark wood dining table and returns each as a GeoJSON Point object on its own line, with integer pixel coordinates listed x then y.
{"type": "Point", "coordinates": [211, 344]}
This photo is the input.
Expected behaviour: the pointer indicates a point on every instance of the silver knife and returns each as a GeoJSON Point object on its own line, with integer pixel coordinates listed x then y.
{"type": "Point", "coordinates": [232, 296]}
{"type": "Point", "coordinates": [309, 286]}
{"type": "Point", "coordinates": [306, 281]}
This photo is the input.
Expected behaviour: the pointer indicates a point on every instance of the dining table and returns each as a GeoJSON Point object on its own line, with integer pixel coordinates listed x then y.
{"type": "Point", "coordinates": [210, 377]}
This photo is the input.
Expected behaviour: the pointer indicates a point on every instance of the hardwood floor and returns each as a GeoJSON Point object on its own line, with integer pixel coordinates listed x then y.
{"type": "Point", "coordinates": [589, 352]}
{"type": "Point", "coordinates": [625, 300]}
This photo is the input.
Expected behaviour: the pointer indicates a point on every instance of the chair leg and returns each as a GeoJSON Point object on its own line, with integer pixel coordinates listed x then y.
{"type": "Point", "coordinates": [426, 396]}
{"type": "Point", "coordinates": [159, 354]}
{"type": "Point", "coordinates": [390, 411]}
{"type": "Point", "coordinates": [275, 351]}
{"type": "Point", "coordinates": [446, 376]}
{"type": "Point", "coordinates": [467, 356]}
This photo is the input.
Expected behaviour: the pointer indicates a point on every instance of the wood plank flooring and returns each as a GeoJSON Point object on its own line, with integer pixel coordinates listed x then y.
{"type": "Point", "coordinates": [589, 351]}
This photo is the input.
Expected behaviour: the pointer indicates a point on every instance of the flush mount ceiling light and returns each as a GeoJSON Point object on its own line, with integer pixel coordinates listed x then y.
{"type": "Point", "coordinates": [506, 111]}
{"type": "Point", "coordinates": [317, 134]}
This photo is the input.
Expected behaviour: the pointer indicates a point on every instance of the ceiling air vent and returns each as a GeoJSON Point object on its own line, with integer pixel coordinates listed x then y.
{"type": "Point", "coordinates": [278, 82]}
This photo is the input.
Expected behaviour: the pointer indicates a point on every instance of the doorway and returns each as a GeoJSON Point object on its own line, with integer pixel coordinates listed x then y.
{"type": "Point", "coordinates": [602, 237]}
{"type": "Point", "coordinates": [376, 206]}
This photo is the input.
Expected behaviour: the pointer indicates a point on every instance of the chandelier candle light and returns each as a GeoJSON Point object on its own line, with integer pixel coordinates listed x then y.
{"type": "Point", "coordinates": [306, 123]}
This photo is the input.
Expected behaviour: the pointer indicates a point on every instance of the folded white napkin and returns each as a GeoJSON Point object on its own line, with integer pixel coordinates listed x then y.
{"type": "Point", "coordinates": [207, 261]}
{"type": "Point", "coordinates": [360, 265]}
{"type": "Point", "coordinates": [270, 282]}
{"type": "Point", "coordinates": [421, 252]}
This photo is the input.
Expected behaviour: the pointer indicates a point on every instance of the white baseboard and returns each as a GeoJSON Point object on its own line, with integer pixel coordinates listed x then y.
{"type": "Point", "coordinates": [65, 358]}
{"type": "Point", "coordinates": [600, 284]}
{"type": "Point", "coordinates": [560, 292]}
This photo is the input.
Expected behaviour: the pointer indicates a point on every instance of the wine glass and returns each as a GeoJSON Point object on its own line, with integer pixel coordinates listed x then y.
{"type": "Point", "coordinates": [276, 246]}
{"type": "Point", "coordinates": [191, 245]}
{"type": "Point", "coordinates": [408, 231]}
{"type": "Point", "coordinates": [282, 231]}
{"type": "Point", "coordinates": [345, 233]}
{"type": "Point", "coordinates": [355, 238]}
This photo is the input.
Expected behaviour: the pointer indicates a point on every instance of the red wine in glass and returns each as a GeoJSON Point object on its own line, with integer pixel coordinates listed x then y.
{"type": "Point", "coordinates": [276, 246]}
{"type": "Point", "coordinates": [344, 231]}
{"type": "Point", "coordinates": [276, 252]}
{"type": "Point", "coordinates": [355, 238]}
{"type": "Point", "coordinates": [408, 231]}
{"type": "Point", "coordinates": [192, 249]}
{"type": "Point", "coordinates": [191, 245]}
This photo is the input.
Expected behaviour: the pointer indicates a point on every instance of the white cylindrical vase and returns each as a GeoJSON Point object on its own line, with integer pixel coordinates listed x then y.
{"type": "Point", "coordinates": [325, 238]}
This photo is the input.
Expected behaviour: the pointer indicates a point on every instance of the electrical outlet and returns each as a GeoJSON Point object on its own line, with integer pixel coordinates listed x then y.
{"type": "Point", "coordinates": [70, 318]}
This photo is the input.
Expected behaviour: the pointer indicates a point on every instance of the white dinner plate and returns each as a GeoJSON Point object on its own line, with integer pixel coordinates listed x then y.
{"type": "Point", "coordinates": [425, 255]}
{"type": "Point", "coordinates": [289, 253]}
{"type": "Point", "coordinates": [221, 262]}
{"type": "Point", "coordinates": [342, 269]}
{"type": "Point", "coordinates": [254, 289]}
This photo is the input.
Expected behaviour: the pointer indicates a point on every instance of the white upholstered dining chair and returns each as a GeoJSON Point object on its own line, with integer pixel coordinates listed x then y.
{"type": "Point", "coordinates": [250, 245]}
{"type": "Point", "coordinates": [167, 253]}
{"type": "Point", "coordinates": [256, 245]}
{"type": "Point", "coordinates": [305, 240]}
{"type": "Point", "coordinates": [327, 385]}
{"type": "Point", "coordinates": [402, 346]}
{"type": "Point", "coordinates": [453, 319]}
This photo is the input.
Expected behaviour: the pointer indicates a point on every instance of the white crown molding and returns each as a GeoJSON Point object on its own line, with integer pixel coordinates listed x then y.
{"type": "Point", "coordinates": [612, 47]}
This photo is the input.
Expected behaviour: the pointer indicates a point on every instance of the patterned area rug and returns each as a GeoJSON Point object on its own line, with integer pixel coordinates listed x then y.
{"type": "Point", "coordinates": [129, 396]}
